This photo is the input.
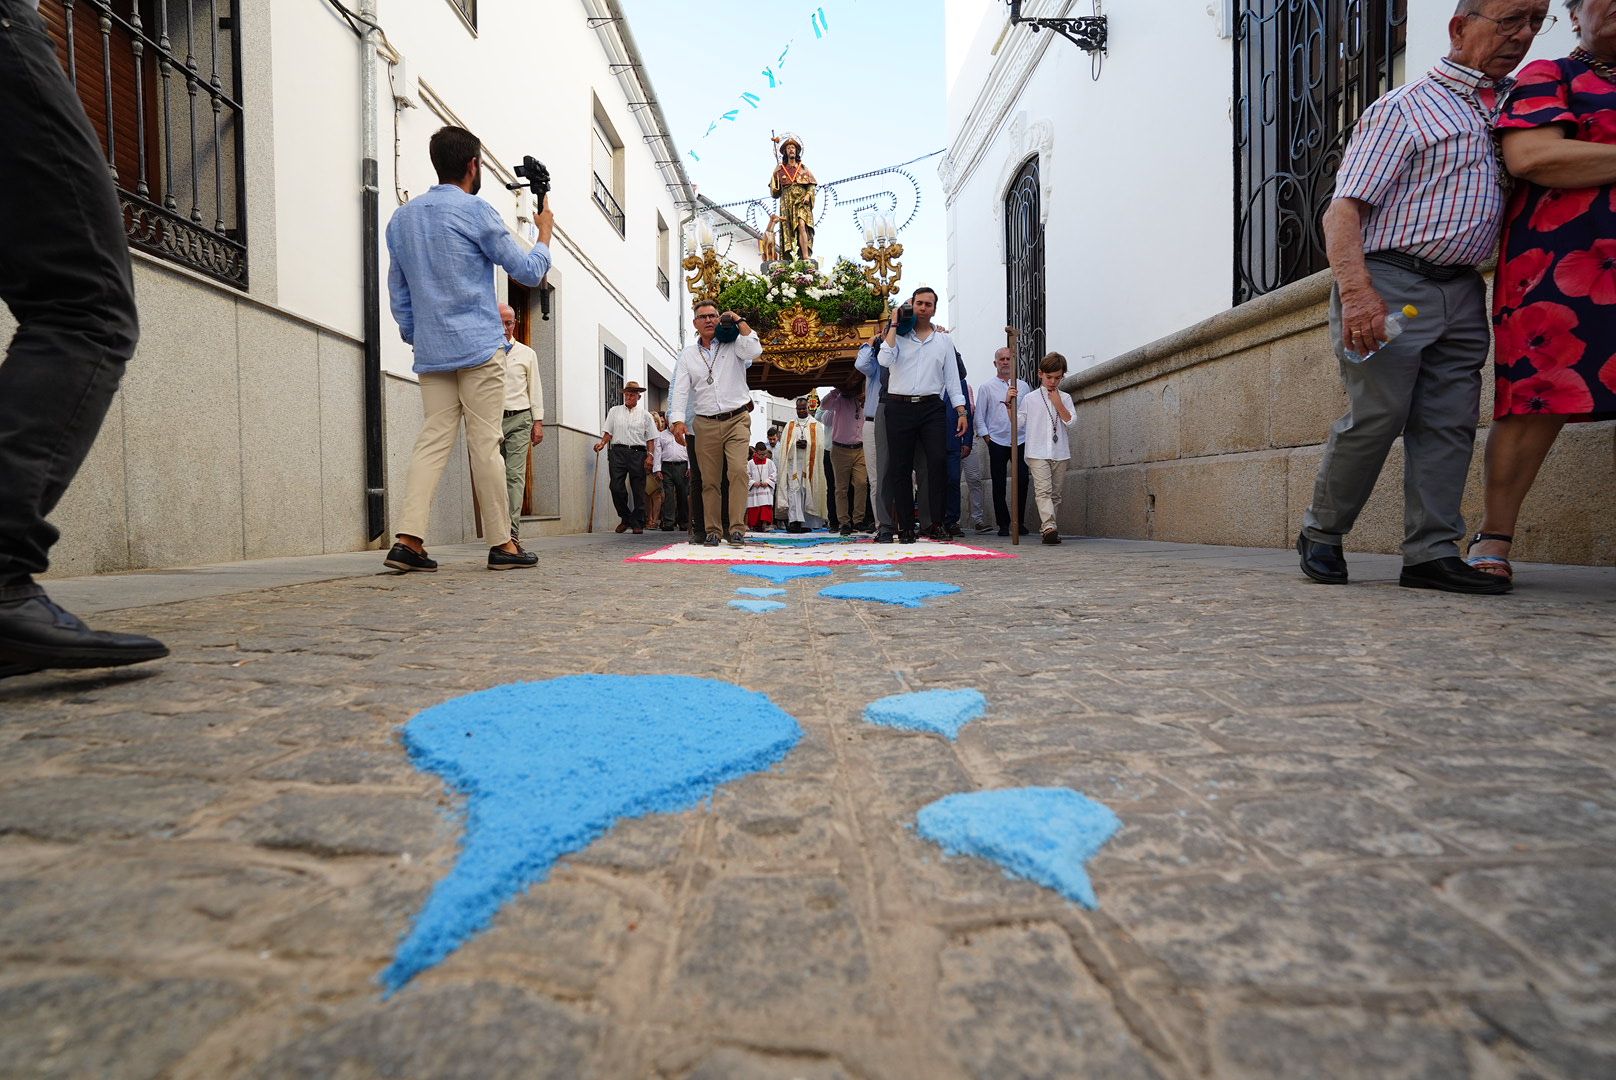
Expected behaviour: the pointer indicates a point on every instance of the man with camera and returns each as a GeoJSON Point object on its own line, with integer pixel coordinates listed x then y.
{"type": "Point", "coordinates": [444, 245]}
{"type": "Point", "coordinates": [711, 380]}
{"type": "Point", "coordinates": [921, 380]}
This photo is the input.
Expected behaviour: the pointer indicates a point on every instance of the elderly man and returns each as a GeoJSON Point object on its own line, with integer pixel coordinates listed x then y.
{"type": "Point", "coordinates": [993, 424]}
{"type": "Point", "coordinates": [710, 380]}
{"type": "Point", "coordinates": [1418, 204]}
{"type": "Point", "coordinates": [631, 433]}
{"type": "Point", "coordinates": [524, 413]}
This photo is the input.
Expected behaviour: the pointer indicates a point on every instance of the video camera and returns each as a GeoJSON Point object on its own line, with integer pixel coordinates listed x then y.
{"type": "Point", "coordinates": [535, 176]}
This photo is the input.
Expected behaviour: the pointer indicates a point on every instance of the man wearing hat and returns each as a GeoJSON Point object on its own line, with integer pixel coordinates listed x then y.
{"type": "Point", "coordinates": [629, 441]}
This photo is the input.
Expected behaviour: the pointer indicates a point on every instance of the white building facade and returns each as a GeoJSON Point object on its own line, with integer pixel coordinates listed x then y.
{"type": "Point", "coordinates": [1132, 162]}
{"type": "Point", "coordinates": [241, 428]}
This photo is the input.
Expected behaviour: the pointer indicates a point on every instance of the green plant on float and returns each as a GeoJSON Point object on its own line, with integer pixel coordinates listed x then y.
{"type": "Point", "coordinates": [844, 299]}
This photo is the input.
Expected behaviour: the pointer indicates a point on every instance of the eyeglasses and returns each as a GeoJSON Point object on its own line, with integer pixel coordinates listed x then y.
{"type": "Point", "coordinates": [1511, 26]}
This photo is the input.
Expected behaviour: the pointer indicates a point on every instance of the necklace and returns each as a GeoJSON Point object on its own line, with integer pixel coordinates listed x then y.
{"type": "Point", "coordinates": [1488, 118]}
{"type": "Point", "coordinates": [1604, 68]}
{"type": "Point", "coordinates": [1054, 419]}
{"type": "Point", "coordinates": [709, 363]}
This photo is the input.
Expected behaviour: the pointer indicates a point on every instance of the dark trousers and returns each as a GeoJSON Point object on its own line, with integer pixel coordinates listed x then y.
{"type": "Point", "coordinates": [64, 273]}
{"type": "Point", "coordinates": [675, 494]}
{"type": "Point", "coordinates": [914, 429]}
{"type": "Point", "coordinates": [698, 510]}
{"type": "Point", "coordinates": [627, 466]}
{"type": "Point", "coordinates": [999, 468]}
{"type": "Point", "coordinates": [832, 521]}
{"type": "Point", "coordinates": [951, 493]}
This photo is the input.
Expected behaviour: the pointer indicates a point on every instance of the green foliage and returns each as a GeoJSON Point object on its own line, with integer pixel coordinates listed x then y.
{"type": "Point", "coordinates": [842, 298]}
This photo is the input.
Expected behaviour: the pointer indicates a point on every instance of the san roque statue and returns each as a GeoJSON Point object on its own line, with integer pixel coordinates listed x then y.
{"type": "Point", "coordinates": [794, 185]}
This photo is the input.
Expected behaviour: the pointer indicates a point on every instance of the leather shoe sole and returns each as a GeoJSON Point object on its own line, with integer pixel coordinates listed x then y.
{"type": "Point", "coordinates": [36, 634]}
{"type": "Point", "coordinates": [1416, 580]}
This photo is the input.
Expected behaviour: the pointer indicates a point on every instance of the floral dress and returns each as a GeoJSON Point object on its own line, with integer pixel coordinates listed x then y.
{"type": "Point", "coordinates": [1554, 297]}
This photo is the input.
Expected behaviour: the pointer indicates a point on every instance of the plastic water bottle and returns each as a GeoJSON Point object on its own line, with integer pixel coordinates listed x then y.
{"type": "Point", "coordinates": [1394, 326]}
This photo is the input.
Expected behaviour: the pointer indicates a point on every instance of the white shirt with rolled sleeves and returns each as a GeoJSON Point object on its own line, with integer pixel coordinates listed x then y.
{"type": "Point", "coordinates": [668, 449]}
{"type": "Point", "coordinates": [1047, 435]}
{"type": "Point", "coordinates": [917, 368]}
{"type": "Point", "coordinates": [522, 387]}
{"type": "Point", "coordinates": [993, 414]}
{"type": "Point", "coordinates": [727, 365]}
{"type": "Point", "coordinates": [630, 427]}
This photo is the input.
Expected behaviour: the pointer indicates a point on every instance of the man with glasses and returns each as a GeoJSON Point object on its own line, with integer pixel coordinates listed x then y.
{"type": "Point", "coordinates": [710, 379]}
{"type": "Point", "coordinates": [1418, 204]}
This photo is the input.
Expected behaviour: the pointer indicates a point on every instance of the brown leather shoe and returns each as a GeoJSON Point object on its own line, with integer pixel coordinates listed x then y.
{"type": "Point", "coordinates": [622, 526]}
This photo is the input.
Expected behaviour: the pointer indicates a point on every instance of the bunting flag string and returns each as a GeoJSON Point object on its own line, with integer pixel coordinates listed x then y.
{"type": "Point", "coordinates": [819, 22]}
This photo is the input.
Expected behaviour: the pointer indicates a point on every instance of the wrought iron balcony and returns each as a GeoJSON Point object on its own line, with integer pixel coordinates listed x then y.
{"type": "Point", "coordinates": [608, 206]}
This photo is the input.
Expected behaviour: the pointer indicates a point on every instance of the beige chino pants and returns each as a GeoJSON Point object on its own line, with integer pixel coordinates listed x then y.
{"type": "Point", "coordinates": [1048, 484]}
{"type": "Point", "coordinates": [722, 446]}
{"type": "Point", "coordinates": [477, 395]}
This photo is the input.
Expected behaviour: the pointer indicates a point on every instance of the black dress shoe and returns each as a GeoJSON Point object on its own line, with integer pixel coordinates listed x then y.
{"type": "Point", "coordinates": [1323, 563]}
{"type": "Point", "coordinates": [712, 540]}
{"type": "Point", "coordinates": [737, 538]}
{"type": "Point", "coordinates": [500, 559]}
{"type": "Point", "coordinates": [885, 536]}
{"type": "Point", "coordinates": [955, 531]}
{"type": "Point", "coordinates": [1452, 574]}
{"type": "Point", "coordinates": [407, 559]}
{"type": "Point", "coordinates": [938, 534]}
{"type": "Point", "coordinates": [36, 633]}
{"type": "Point", "coordinates": [846, 530]}
{"type": "Point", "coordinates": [907, 537]}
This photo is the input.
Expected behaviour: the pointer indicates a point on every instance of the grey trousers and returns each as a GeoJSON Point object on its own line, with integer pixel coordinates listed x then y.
{"type": "Point", "coordinates": [875, 452]}
{"type": "Point", "coordinates": [1424, 386]}
{"type": "Point", "coordinates": [515, 440]}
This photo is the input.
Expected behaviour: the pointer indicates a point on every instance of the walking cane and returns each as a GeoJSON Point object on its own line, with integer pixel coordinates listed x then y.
{"type": "Point", "coordinates": [594, 486]}
{"type": "Point", "coordinates": [1015, 468]}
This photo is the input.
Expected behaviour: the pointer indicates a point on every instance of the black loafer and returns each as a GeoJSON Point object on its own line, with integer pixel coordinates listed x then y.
{"type": "Point", "coordinates": [35, 633]}
{"type": "Point", "coordinates": [884, 537]}
{"type": "Point", "coordinates": [500, 559]}
{"type": "Point", "coordinates": [938, 534]}
{"type": "Point", "coordinates": [407, 559]}
{"type": "Point", "coordinates": [955, 531]}
{"type": "Point", "coordinates": [907, 537]}
{"type": "Point", "coordinates": [1323, 563]}
{"type": "Point", "coordinates": [712, 540]}
{"type": "Point", "coordinates": [1452, 574]}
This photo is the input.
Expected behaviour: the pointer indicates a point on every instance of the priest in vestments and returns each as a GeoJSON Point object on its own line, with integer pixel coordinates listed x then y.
{"type": "Point", "coordinates": [799, 466]}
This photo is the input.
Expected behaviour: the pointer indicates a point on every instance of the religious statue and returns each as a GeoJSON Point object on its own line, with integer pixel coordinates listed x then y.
{"type": "Point", "coordinates": [794, 185]}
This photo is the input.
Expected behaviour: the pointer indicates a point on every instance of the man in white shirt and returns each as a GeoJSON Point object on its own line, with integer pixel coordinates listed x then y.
{"type": "Point", "coordinates": [524, 412]}
{"type": "Point", "coordinates": [711, 376]}
{"type": "Point", "coordinates": [921, 377]}
{"type": "Point", "coordinates": [673, 466]}
{"type": "Point", "coordinates": [631, 435]}
{"type": "Point", "coordinates": [993, 424]}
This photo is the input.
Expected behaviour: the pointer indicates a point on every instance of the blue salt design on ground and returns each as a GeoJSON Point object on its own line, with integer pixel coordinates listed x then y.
{"type": "Point", "coordinates": [941, 711]}
{"type": "Point", "coordinates": [757, 607]}
{"type": "Point", "coordinates": [1043, 834]}
{"type": "Point", "coordinates": [547, 767]}
{"type": "Point", "coordinates": [911, 594]}
{"type": "Point", "coordinates": [780, 574]}
{"type": "Point", "coordinates": [748, 590]}
{"type": "Point", "coordinates": [882, 574]}
{"type": "Point", "coordinates": [878, 566]}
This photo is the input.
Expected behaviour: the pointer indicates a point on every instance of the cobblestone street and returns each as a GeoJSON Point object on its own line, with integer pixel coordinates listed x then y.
{"type": "Point", "coordinates": [1366, 831]}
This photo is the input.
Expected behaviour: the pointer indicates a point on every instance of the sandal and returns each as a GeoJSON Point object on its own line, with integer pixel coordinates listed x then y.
{"type": "Point", "coordinates": [1496, 565]}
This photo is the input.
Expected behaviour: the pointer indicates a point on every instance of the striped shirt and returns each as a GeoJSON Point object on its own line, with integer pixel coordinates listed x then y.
{"type": "Point", "coordinates": [1422, 157]}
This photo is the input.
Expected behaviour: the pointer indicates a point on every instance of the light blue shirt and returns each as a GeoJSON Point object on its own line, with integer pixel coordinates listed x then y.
{"type": "Point", "coordinates": [443, 245]}
{"type": "Point", "coordinates": [874, 378]}
{"type": "Point", "coordinates": [916, 368]}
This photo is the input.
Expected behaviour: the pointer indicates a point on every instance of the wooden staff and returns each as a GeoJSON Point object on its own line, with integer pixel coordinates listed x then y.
{"type": "Point", "coordinates": [1010, 337]}
{"type": "Point", "coordinates": [594, 486]}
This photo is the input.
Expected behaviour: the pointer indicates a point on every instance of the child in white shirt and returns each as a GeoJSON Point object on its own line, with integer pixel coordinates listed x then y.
{"type": "Point", "coordinates": [1048, 447]}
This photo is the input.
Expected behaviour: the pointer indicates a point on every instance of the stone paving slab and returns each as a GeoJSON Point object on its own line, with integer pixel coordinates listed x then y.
{"type": "Point", "coordinates": [1366, 831]}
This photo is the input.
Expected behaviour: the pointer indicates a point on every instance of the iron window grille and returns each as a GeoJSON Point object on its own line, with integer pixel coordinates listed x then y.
{"type": "Point", "coordinates": [467, 9]}
{"type": "Point", "coordinates": [614, 377]}
{"type": "Point", "coordinates": [1024, 268]}
{"type": "Point", "coordinates": [161, 83]}
{"type": "Point", "coordinates": [608, 206]}
{"type": "Point", "coordinates": [1304, 71]}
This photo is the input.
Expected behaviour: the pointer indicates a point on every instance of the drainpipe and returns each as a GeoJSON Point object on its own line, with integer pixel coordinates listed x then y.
{"type": "Point", "coordinates": [375, 466]}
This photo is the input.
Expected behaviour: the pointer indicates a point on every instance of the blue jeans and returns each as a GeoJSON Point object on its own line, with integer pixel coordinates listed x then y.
{"type": "Point", "coordinates": [65, 275]}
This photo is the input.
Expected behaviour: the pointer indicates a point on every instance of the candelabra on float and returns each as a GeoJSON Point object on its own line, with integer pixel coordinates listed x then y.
{"type": "Point", "coordinates": [703, 263]}
{"type": "Point", "coordinates": [882, 251]}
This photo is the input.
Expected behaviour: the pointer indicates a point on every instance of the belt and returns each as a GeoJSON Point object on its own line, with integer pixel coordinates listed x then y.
{"type": "Point", "coordinates": [517, 412]}
{"type": "Point", "coordinates": [723, 415]}
{"type": "Point", "coordinates": [914, 399]}
{"type": "Point", "coordinates": [848, 445]}
{"type": "Point", "coordinates": [1422, 267]}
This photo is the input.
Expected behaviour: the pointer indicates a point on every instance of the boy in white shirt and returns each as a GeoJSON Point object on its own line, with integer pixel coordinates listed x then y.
{"type": "Point", "coordinates": [1048, 447]}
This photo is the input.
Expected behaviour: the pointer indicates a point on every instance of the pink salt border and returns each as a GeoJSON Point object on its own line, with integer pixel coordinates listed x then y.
{"type": "Point", "coordinates": [658, 557]}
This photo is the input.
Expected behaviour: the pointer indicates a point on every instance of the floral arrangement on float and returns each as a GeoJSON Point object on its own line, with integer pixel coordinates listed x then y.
{"type": "Point", "coordinates": [841, 298]}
